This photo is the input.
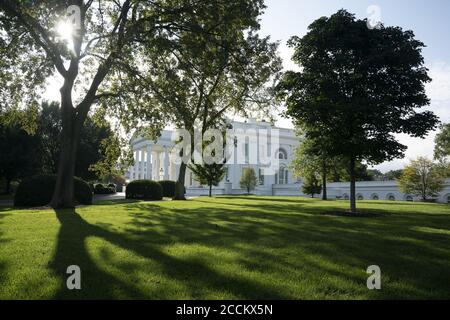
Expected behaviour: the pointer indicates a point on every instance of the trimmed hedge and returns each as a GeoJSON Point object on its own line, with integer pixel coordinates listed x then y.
{"type": "Point", "coordinates": [168, 188]}
{"type": "Point", "coordinates": [102, 189]}
{"type": "Point", "coordinates": [38, 190]}
{"type": "Point", "coordinates": [144, 189]}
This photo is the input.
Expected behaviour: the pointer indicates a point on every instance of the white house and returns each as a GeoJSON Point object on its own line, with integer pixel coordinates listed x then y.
{"type": "Point", "coordinates": [253, 141]}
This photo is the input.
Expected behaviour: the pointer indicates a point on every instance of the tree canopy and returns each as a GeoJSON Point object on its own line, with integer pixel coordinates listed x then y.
{"type": "Point", "coordinates": [422, 178]}
{"type": "Point", "coordinates": [358, 87]}
{"type": "Point", "coordinates": [98, 49]}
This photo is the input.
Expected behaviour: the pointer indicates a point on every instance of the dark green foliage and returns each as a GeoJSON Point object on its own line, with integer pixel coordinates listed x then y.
{"type": "Point", "coordinates": [100, 188]}
{"type": "Point", "coordinates": [19, 152]}
{"type": "Point", "coordinates": [311, 186]}
{"type": "Point", "coordinates": [358, 88]}
{"type": "Point", "coordinates": [37, 191]}
{"type": "Point", "coordinates": [91, 147]}
{"type": "Point", "coordinates": [145, 190]}
{"type": "Point", "coordinates": [209, 174]}
{"type": "Point", "coordinates": [168, 188]}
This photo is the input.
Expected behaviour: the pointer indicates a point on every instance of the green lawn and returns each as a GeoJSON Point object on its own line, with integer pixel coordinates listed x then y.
{"type": "Point", "coordinates": [226, 248]}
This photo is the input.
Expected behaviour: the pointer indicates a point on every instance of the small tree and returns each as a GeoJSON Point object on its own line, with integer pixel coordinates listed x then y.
{"type": "Point", "coordinates": [208, 174]}
{"type": "Point", "coordinates": [311, 186]}
{"type": "Point", "coordinates": [421, 177]}
{"type": "Point", "coordinates": [248, 179]}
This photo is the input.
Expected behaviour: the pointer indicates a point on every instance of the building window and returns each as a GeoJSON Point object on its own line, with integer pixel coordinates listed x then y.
{"type": "Point", "coordinates": [345, 196]}
{"type": "Point", "coordinates": [448, 200]}
{"type": "Point", "coordinates": [261, 177]}
{"type": "Point", "coordinates": [283, 176]}
{"type": "Point", "coordinates": [360, 197]}
{"type": "Point", "coordinates": [391, 198]}
{"type": "Point", "coordinates": [409, 199]}
{"type": "Point", "coordinates": [282, 154]}
{"type": "Point", "coordinates": [375, 197]}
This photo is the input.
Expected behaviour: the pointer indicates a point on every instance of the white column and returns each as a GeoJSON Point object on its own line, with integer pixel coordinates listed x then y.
{"type": "Point", "coordinates": [158, 166]}
{"type": "Point", "coordinates": [136, 165]}
{"type": "Point", "coordinates": [149, 162]}
{"type": "Point", "coordinates": [166, 163]}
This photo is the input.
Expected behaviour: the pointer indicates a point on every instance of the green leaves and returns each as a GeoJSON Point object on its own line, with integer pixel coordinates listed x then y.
{"type": "Point", "coordinates": [422, 177]}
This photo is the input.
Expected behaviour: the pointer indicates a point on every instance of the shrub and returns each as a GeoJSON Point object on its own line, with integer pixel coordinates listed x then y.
{"type": "Point", "coordinates": [103, 189]}
{"type": "Point", "coordinates": [38, 190]}
{"type": "Point", "coordinates": [144, 189]}
{"type": "Point", "coordinates": [168, 188]}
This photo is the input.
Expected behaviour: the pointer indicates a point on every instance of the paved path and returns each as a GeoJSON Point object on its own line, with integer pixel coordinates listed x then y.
{"type": "Point", "coordinates": [6, 203]}
{"type": "Point", "coordinates": [116, 196]}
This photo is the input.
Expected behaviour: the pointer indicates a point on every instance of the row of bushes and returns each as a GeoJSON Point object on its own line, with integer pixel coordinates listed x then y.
{"type": "Point", "coordinates": [38, 191]}
{"type": "Point", "coordinates": [150, 190]}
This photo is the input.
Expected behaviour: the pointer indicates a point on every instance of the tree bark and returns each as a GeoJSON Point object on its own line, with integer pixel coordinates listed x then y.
{"type": "Point", "coordinates": [179, 187]}
{"type": "Point", "coordinates": [324, 182]}
{"type": "Point", "coordinates": [210, 190]}
{"type": "Point", "coordinates": [63, 195]}
{"type": "Point", "coordinates": [7, 186]}
{"type": "Point", "coordinates": [352, 185]}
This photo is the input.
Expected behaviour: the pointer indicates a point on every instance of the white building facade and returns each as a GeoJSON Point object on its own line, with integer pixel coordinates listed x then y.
{"type": "Point", "coordinates": [156, 161]}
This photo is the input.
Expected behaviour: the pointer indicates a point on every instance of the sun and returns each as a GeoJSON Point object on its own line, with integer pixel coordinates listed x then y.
{"type": "Point", "coordinates": [65, 31]}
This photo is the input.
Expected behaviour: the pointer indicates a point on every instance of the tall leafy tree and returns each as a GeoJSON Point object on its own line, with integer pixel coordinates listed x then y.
{"type": "Point", "coordinates": [423, 178]}
{"type": "Point", "coordinates": [196, 81]}
{"type": "Point", "coordinates": [208, 174]}
{"type": "Point", "coordinates": [18, 152]}
{"type": "Point", "coordinates": [98, 146]}
{"type": "Point", "coordinates": [90, 45]}
{"type": "Point", "coordinates": [311, 159]}
{"type": "Point", "coordinates": [358, 87]}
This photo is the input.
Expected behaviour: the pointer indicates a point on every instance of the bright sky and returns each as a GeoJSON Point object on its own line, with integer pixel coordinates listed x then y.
{"type": "Point", "coordinates": [428, 19]}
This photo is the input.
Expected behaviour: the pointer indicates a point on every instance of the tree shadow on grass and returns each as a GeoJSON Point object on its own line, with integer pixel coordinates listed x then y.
{"type": "Point", "coordinates": [415, 262]}
{"type": "Point", "coordinates": [96, 283]}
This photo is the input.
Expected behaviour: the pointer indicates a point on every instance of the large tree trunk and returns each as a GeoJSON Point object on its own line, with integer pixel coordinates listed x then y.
{"type": "Point", "coordinates": [210, 190]}
{"type": "Point", "coordinates": [352, 185]}
{"type": "Point", "coordinates": [324, 181]}
{"type": "Point", "coordinates": [7, 185]}
{"type": "Point", "coordinates": [179, 187]}
{"type": "Point", "coordinates": [63, 195]}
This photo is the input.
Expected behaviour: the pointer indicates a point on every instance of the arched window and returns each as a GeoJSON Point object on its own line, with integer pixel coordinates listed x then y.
{"type": "Point", "coordinates": [448, 199]}
{"type": "Point", "coordinates": [409, 198]}
{"type": "Point", "coordinates": [345, 196]}
{"type": "Point", "coordinates": [391, 197]}
{"type": "Point", "coordinates": [282, 154]}
{"type": "Point", "coordinates": [360, 197]}
{"type": "Point", "coordinates": [375, 197]}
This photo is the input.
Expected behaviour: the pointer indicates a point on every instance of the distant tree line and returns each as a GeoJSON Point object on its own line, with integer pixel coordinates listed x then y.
{"type": "Point", "coordinates": [35, 150]}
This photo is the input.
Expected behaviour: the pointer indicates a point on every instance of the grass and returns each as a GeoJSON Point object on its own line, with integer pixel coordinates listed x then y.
{"type": "Point", "coordinates": [226, 248]}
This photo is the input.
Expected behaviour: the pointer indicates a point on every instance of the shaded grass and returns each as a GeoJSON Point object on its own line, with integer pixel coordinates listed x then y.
{"type": "Point", "coordinates": [227, 248]}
